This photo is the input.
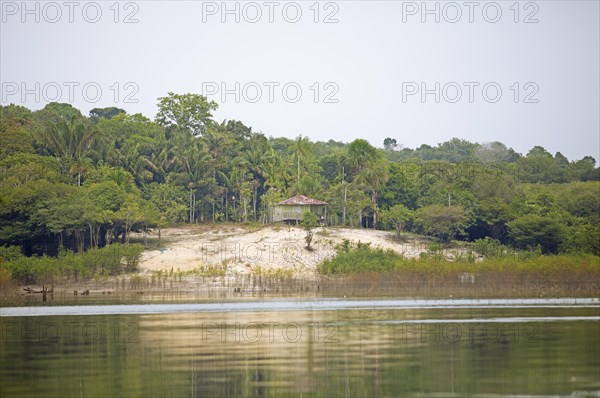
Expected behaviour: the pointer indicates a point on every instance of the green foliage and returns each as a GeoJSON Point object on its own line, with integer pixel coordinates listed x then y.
{"type": "Point", "coordinates": [361, 155]}
{"type": "Point", "coordinates": [531, 231]}
{"type": "Point", "coordinates": [301, 150]}
{"type": "Point", "coordinates": [491, 248]}
{"type": "Point", "coordinates": [80, 183]}
{"type": "Point", "coordinates": [168, 200]}
{"type": "Point", "coordinates": [402, 186]}
{"type": "Point", "coordinates": [581, 199]}
{"type": "Point", "coordinates": [22, 167]}
{"type": "Point", "coordinates": [584, 238]}
{"type": "Point", "coordinates": [17, 113]}
{"type": "Point", "coordinates": [187, 112]}
{"type": "Point", "coordinates": [397, 216]}
{"type": "Point", "coordinates": [345, 246]}
{"type": "Point", "coordinates": [390, 144]}
{"type": "Point", "coordinates": [9, 253]}
{"type": "Point", "coordinates": [361, 258]}
{"type": "Point", "coordinates": [309, 222]}
{"type": "Point", "coordinates": [14, 138]}
{"type": "Point", "coordinates": [207, 270]}
{"type": "Point", "coordinates": [443, 222]}
{"type": "Point", "coordinates": [104, 113]}
{"type": "Point", "coordinates": [370, 171]}
{"type": "Point", "coordinates": [492, 216]}
{"type": "Point", "coordinates": [112, 259]}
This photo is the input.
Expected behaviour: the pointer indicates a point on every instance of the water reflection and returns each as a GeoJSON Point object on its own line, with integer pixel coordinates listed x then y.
{"type": "Point", "coordinates": [297, 305]}
{"type": "Point", "coordinates": [365, 352]}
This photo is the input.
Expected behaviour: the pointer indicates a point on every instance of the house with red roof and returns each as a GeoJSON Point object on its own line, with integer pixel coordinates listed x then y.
{"type": "Point", "coordinates": [291, 210]}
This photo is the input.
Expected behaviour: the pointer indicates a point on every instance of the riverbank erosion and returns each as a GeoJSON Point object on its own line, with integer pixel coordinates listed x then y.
{"type": "Point", "coordinates": [231, 262]}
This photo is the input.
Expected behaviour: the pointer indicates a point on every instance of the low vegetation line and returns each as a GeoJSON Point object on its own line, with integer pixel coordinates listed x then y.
{"type": "Point", "coordinates": [109, 260]}
{"type": "Point", "coordinates": [362, 258]}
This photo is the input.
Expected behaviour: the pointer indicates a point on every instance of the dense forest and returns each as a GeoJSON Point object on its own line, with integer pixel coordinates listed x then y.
{"type": "Point", "coordinates": [82, 182]}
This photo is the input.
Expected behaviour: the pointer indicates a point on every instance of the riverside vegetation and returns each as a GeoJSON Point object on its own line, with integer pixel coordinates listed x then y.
{"type": "Point", "coordinates": [74, 188]}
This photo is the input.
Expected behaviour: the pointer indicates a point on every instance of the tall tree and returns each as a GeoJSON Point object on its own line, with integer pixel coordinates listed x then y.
{"type": "Point", "coordinates": [370, 170]}
{"type": "Point", "coordinates": [300, 149]}
{"type": "Point", "coordinates": [531, 231]}
{"type": "Point", "coordinates": [398, 216]}
{"type": "Point", "coordinates": [187, 112]}
{"type": "Point", "coordinates": [443, 222]}
{"type": "Point", "coordinates": [390, 144]}
{"type": "Point", "coordinates": [105, 113]}
{"type": "Point", "coordinates": [72, 141]}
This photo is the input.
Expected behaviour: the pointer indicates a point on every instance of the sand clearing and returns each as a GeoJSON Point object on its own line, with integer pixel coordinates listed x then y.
{"type": "Point", "coordinates": [272, 247]}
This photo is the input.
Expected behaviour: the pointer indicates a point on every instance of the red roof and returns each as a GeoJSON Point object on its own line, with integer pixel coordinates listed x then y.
{"type": "Point", "coordinates": [301, 200]}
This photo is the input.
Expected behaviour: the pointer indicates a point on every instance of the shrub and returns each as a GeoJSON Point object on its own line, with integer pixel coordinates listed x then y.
{"type": "Point", "coordinates": [112, 259]}
{"type": "Point", "coordinates": [309, 222]}
{"type": "Point", "coordinates": [499, 259]}
{"type": "Point", "coordinates": [9, 253]}
{"type": "Point", "coordinates": [361, 258]}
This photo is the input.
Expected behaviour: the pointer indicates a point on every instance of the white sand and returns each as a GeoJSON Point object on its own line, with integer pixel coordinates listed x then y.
{"type": "Point", "coordinates": [269, 248]}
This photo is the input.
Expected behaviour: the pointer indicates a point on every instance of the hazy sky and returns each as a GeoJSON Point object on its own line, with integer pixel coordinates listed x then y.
{"type": "Point", "coordinates": [522, 73]}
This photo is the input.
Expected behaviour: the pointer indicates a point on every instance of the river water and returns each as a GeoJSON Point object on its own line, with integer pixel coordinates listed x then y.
{"type": "Point", "coordinates": [307, 348]}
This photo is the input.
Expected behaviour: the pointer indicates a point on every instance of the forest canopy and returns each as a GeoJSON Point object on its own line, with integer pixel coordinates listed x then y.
{"type": "Point", "coordinates": [82, 182]}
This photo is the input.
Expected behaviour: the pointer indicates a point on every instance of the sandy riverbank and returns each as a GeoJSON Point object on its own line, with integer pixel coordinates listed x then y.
{"type": "Point", "coordinates": [244, 250]}
{"type": "Point", "coordinates": [222, 262]}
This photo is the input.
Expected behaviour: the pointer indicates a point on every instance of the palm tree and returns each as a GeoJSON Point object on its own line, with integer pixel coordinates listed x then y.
{"type": "Point", "coordinates": [192, 159]}
{"type": "Point", "coordinates": [277, 171]}
{"type": "Point", "coordinates": [71, 141]}
{"type": "Point", "coordinates": [220, 146]}
{"type": "Point", "coordinates": [300, 148]}
{"type": "Point", "coordinates": [361, 154]}
{"type": "Point", "coordinates": [239, 181]}
{"type": "Point", "coordinates": [138, 159]}
{"type": "Point", "coordinates": [370, 170]}
{"type": "Point", "coordinates": [372, 179]}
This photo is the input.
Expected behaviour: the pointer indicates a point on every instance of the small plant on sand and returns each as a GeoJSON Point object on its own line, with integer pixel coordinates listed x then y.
{"type": "Point", "coordinates": [345, 246]}
{"type": "Point", "coordinates": [309, 222]}
{"type": "Point", "coordinates": [275, 273]}
{"type": "Point", "coordinates": [324, 232]}
{"type": "Point", "coordinates": [211, 270]}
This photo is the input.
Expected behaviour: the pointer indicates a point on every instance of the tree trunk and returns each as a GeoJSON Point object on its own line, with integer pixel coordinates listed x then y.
{"type": "Point", "coordinates": [190, 216]}
{"type": "Point", "coordinates": [254, 204]}
{"type": "Point", "coordinates": [108, 236]}
{"type": "Point", "coordinates": [79, 240]}
{"type": "Point", "coordinates": [344, 205]}
{"type": "Point", "coordinates": [201, 213]}
{"type": "Point", "coordinates": [298, 180]}
{"type": "Point", "coordinates": [234, 212]}
{"type": "Point", "coordinates": [375, 208]}
{"type": "Point", "coordinates": [91, 235]}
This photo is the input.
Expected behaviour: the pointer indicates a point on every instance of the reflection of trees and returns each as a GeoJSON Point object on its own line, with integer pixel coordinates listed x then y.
{"type": "Point", "coordinates": [372, 356]}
